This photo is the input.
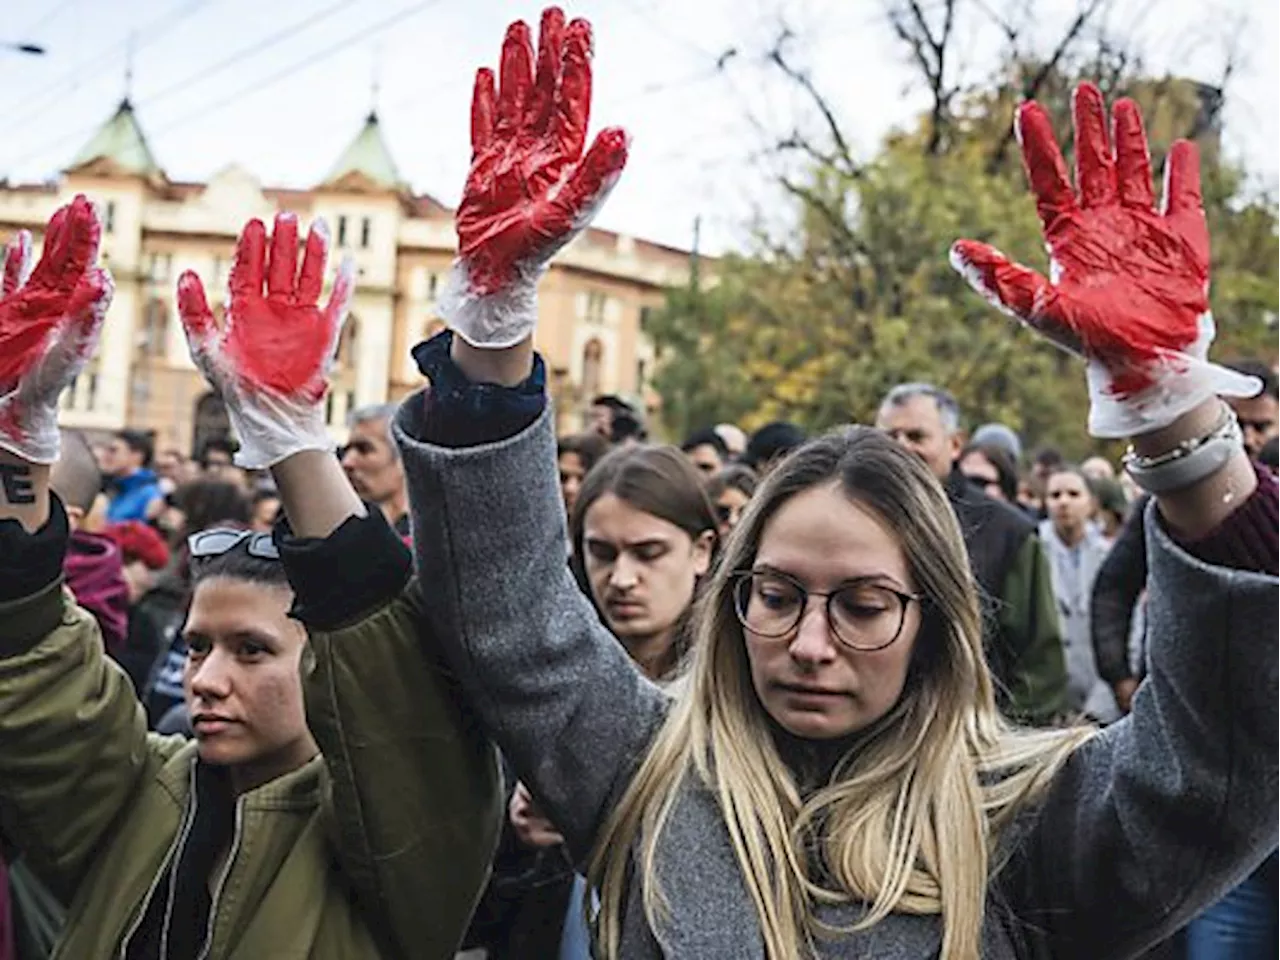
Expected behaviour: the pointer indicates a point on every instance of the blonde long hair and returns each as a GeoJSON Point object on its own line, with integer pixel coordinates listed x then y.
{"type": "Point", "coordinates": [910, 818]}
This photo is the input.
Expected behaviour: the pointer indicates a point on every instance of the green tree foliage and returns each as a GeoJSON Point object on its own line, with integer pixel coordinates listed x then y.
{"type": "Point", "coordinates": [816, 326]}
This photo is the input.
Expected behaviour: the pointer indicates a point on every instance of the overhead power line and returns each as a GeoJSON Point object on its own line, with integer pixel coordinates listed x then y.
{"type": "Point", "coordinates": [204, 110]}
{"type": "Point", "coordinates": [264, 44]}
{"type": "Point", "coordinates": [49, 17]}
{"type": "Point", "coordinates": [310, 60]}
{"type": "Point", "coordinates": [30, 110]}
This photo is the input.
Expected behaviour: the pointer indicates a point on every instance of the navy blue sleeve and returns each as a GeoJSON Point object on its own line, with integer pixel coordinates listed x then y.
{"type": "Point", "coordinates": [460, 413]}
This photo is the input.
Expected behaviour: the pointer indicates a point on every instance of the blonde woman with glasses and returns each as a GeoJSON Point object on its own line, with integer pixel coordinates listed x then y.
{"type": "Point", "coordinates": [836, 781]}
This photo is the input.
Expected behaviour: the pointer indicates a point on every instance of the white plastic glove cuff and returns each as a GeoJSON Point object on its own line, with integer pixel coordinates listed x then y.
{"type": "Point", "coordinates": [492, 321]}
{"type": "Point", "coordinates": [272, 429]}
{"type": "Point", "coordinates": [41, 442]}
{"type": "Point", "coordinates": [1182, 381]}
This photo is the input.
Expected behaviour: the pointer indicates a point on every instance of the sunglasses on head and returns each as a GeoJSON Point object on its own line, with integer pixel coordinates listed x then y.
{"type": "Point", "coordinates": [220, 540]}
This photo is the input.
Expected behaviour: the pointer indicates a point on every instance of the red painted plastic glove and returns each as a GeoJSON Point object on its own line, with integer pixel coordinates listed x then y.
{"type": "Point", "coordinates": [530, 189]}
{"type": "Point", "coordinates": [270, 359]}
{"type": "Point", "coordinates": [49, 325]}
{"type": "Point", "coordinates": [1129, 287]}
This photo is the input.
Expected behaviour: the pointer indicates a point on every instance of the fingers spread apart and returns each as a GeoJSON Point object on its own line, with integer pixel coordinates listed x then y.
{"type": "Point", "coordinates": [1095, 163]}
{"type": "Point", "coordinates": [553, 102]}
{"type": "Point", "coordinates": [1133, 160]}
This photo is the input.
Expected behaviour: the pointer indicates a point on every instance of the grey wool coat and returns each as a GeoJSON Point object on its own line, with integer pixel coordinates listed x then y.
{"type": "Point", "coordinates": [1147, 823]}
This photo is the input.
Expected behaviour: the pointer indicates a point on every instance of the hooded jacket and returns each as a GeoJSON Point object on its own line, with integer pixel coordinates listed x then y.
{"type": "Point", "coordinates": [377, 848]}
{"type": "Point", "coordinates": [131, 495]}
{"type": "Point", "coordinates": [95, 577]}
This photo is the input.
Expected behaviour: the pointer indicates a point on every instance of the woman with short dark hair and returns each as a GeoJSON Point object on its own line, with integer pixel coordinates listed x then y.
{"type": "Point", "coordinates": [335, 802]}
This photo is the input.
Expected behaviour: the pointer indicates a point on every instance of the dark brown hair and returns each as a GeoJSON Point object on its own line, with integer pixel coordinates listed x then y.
{"type": "Point", "coordinates": [587, 447]}
{"type": "Point", "coordinates": [660, 481]}
{"type": "Point", "coordinates": [657, 480]}
{"type": "Point", "coordinates": [733, 477]}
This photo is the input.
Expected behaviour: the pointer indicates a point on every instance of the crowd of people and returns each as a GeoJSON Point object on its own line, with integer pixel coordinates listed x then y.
{"type": "Point", "coordinates": [905, 689]}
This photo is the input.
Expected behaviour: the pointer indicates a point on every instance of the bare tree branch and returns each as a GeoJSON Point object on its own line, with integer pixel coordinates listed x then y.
{"type": "Point", "coordinates": [854, 252]}
{"type": "Point", "coordinates": [801, 78]}
{"type": "Point", "coordinates": [929, 51]}
{"type": "Point", "coordinates": [1032, 87]}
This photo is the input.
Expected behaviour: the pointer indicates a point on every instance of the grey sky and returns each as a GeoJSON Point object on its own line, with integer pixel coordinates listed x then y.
{"type": "Point", "coordinates": [285, 108]}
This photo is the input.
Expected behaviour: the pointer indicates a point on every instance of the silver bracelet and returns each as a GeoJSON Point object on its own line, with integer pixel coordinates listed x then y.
{"type": "Point", "coordinates": [1188, 462]}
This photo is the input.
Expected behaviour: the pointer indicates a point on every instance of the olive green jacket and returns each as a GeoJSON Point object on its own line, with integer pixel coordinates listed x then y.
{"type": "Point", "coordinates": [379, 847]}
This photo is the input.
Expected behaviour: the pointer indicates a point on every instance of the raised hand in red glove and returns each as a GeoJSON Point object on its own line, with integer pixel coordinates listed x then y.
{"type": "Point", "coordinates": [1129, 286]}
{"type": "Point", "coordinates": [530, 189]}
{"type": "Point", "coordinates": [270, 359]}
{"type": "Point", "coordinates": [49, 326]}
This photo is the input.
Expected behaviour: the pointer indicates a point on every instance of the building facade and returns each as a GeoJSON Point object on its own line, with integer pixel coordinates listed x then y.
{"type": "Point", "coordinates": [591, 302]}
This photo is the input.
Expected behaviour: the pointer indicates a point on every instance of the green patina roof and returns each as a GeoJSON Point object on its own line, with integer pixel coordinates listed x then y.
{"type": "Point", "coordinates": [121, 141]}
{"type": "Point", "coordinates": [368, 156]}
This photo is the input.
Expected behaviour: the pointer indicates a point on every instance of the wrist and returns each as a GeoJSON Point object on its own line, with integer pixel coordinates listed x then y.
{"type": "Point", "coordinates": [507, 367]}
{"type": "Point", "coordinates": [1194, 423]}
{"type": "Point", "coordinates": [24, 491]}
{"type": "Point", "coordinates": [493, 321]}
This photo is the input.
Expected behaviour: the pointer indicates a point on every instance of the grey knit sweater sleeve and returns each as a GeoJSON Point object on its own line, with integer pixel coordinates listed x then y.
{"type": "Point", "coordinates": [1165, 811]}
{"type": "Point", "coordinates": [552, 686]}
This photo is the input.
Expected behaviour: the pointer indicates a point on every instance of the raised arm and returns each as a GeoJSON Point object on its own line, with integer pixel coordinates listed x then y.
{"type": "Point", "coordinates": [1160, 814]}
{"type": "Point", "coordinates": [556, 691]}
{"type": "Point", "coordinates": [271, 361]}
{"type": "Point", "coordinates": [415, 786]}
{"type": "Point", "coordinates": [73, 744]}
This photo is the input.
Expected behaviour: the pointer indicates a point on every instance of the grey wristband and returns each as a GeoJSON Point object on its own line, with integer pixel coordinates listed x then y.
{"type": "Point", "coordinates": [1190, 461]}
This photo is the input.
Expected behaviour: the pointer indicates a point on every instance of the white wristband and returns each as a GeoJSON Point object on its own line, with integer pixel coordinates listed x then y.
{"type": "Point", "coordinates": [1190, 461]}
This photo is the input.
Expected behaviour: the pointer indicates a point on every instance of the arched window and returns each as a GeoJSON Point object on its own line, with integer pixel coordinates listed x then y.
{"type": "Point", "coordinates": [592, 359]}
{"type": "Point", "coordinates": [155, 328]}
{"type": "Point", "coordinates": [346, 356]}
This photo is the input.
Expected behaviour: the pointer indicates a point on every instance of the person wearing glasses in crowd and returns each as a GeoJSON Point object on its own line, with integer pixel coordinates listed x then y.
{"type": "Point", "coordinates": [335, 802]}
{"type": "Point", "coordinates": [991, 469]}
{"type": "Point", "coordinates": [835, 779]}
{"type": "Point", "coordinates": [730, 491]}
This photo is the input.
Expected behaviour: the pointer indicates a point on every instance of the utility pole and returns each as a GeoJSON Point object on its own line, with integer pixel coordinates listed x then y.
{"type": "Point", "coordinates": [693, 254]}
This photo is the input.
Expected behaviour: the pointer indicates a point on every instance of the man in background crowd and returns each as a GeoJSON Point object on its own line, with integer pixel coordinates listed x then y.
{"type": "Point", "coordinates": [217, 462]}
{"type": "Point", "coordinates": [1259, 416]}
{"type": "Point", "coordinates": [1022, 635]}
{"type": "Point", "coordinates": [371, 460]}
{"type": "Point", "coordinates": [616, 420]}
{"type": "Point", "coordinates": [770, 445]}
{"type": "Point", "coordinates": [131, 483]}
{"type": "Point", "coordinates": [706, 450]}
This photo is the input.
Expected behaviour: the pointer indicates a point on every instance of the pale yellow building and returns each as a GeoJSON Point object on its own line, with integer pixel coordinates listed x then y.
{"type": "Point", "coordinates": [591, 302]}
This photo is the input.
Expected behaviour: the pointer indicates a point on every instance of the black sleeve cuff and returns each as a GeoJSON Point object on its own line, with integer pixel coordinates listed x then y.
{"type": "Point", "coordinates": [460, 413]}
{"type": "Point", "coordinates": [337, 580]}
{"type": "Point", "coordinates": [29, 562]}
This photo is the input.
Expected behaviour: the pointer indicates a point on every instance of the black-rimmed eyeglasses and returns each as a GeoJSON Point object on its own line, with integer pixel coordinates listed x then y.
{"type": "Point", "coordinates": [220, 540]}
{"type": "Point", "coordinates": [863, 615]}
